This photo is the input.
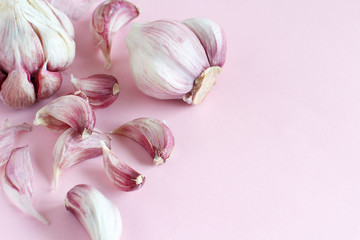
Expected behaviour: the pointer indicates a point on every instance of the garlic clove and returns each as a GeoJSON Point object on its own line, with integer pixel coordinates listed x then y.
{"type": "Point", "coordinates": [98, 215]}
{"type": "Point", "coordinates": [101, 90]}
{"type": "Point", "coordinates": [47, 83]}
{"type": "Point", "coordinates": [121, 174]}
{"type": "Point", "coordinates": [107, 19]}
{"type": "Point", "coordinates": [63, 19]}
{"type": "Point", "coordinates": [212, 37]}
{"type": "Point", "coordinates": [67, 111]}
{"type": "Point", "coordinates": [73, 9]}
{"type": "Point", "coordinates": [154, 135]}
{"type": "Point", "coordinates": [71, 149]}
{"type": "Point", "coordinates": [165, 58]}
{"type": "Point", "coordinates": [17, 90]}
{"type": "Point", "coordinates": [7, 138]}
{"type": "Point", "coordinates": [17, 182]}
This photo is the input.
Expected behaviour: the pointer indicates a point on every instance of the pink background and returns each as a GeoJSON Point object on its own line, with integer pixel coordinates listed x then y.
{"type": "Point", "coordinates": [272, 152]}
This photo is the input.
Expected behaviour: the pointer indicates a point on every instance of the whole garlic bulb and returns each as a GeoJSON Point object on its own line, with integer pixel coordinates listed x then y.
{"type": "Point", "coordinates": [36, 37]}
{"type": "Point", "coordinates": [176, 60]}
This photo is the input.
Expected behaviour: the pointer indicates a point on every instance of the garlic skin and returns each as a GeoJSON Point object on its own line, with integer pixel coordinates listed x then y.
{"type": "Point", "coordinates": [98, 215]}
{"type": "Point", "coordinates": [107, 19]}
{"type": "Point", "coordinates": [119, 173]}
{"type": "Point", "coordinates": [176, 60]}
{"type": "Point", "coordinates": [47, 83]}
{"type": "Point", "coordinates": [73, 9]}
{"type": "Point", "coordinates": [17, 182]}
{"type": "Point", "coordinates": [67, 111]}
{"type": "Point", "coordinates": [154, 135]}
{"type": "Point", "coordinates": [101, 90]}
{"type": "Point", "coordinates": [8, 132]}
{"type": "Point", "coordinates": [71, 149]}
{"type": "Point", "coordinates": [31, 31]}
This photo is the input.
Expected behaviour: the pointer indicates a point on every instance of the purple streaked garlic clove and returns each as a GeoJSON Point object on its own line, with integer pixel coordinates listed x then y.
{"type": "Point", "coordinates": [47, 83]}
{"type": "Point", "coordinates": [73, 9]}
{"type": "Point", "coordinates": [212, 37]}
{"type": "Point", "coordinates": [170, 60]}
{"type": "Point", "coordinates": [71, 149]}
{"type": "Point", "coordinates": [7, 138]}
{"type": "Point", "coordinates": [107, 19]}
{"type": "Point", "coordinates": [67, 111]}
{"type": "Point", "coordinates": [119, 173]}
{"type": "Point", "coordinates": [17, 90]}
{"type": "Point", "coordinates": [98, 215]}
{"type": "Point", "coordinates": [154, 135]}
{"type": "Point", "coordinates": [101, 90]}
{"type": "Point", "coordinates": [17, 182]}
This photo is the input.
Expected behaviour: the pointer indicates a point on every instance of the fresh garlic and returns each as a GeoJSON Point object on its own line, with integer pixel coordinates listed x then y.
{"type": "Point", "coordinates": [67, 111]}
{"type": "Point", "coordinates": [47, 83]}
{"type": "Point", "coordinates": [17, 181]}
{"type": "Point", "coordinates": [7, 138]}
{"type": "Point", "coordinates": [154, 135]}
{"type": "Point", "coordinates": [176, 60]}
{"type": "Point", "coordinates": [73, 9]}
{"type": "Point", "coordinates": [98, 215]}
{"type": "Point", "coordinates": [71, 149]}
{"type": "Point", "coordinates": [101, 90]}
{"type": "Point", "coordinates": [121, 174]}
{"type": "Point", "coordinates": [107, 19]}
{"type": "Point", "coordinates": [32, 32]}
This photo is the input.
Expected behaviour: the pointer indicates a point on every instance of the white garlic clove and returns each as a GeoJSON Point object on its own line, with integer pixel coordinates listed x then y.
{"type": "Point", "coordinates": [67, 111]}
{"type": "Point", "coordinates": [165, 58]}
{"type": "Point", "coordinates": [17, 182]}
{"type": "Point", "coordinates": [7, 138]}
{"type": "Point", "coordinates": [107, 19]}
{"type": "Point", "coordinates": [71, 149]}
{"type": "Point", "coordinates": [73, 9]}
{"type": "Point", "coordinates": [98, 215]}
{"type": "Point", "coordinates": [63, 19]}
{"type": "Point", "coordinates": [47, 83]}
{"type": "Point", "coordinates": [119, 173]}
{"type": "Point", "coordinates": [212, 37]}
{"type": "Point", "coordinates": [101, 90]}
{"type": "Point", "coordinates": [17, 90]}
{"type": "Point", "coordinates": [154, 135]}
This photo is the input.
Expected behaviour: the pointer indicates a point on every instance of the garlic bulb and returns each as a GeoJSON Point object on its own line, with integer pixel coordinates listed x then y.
{"type": "Point", "coordinates": [176, 60]}
{"type": "Point", "coordinates": [35, 35]}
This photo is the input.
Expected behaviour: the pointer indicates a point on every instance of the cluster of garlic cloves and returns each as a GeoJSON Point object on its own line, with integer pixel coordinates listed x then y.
{"type": "Point", "coordinates": [154, 135]}
{"type": "Point", "coordinates": [107, 19]}
{"type": "Point", "coordinates": [35, 35]}
{"type": "Point", "coordinates": [99, 216]}
{"type": "Point", "coordinates": [176, 60]}
{"type": "Point", "coordinates": [17, 181]}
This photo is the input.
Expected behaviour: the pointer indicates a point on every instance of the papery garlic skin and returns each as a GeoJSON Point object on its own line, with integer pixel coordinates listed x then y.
{"type": "Point", "coordinates": [17, 182]}
{"type": "Point", "coordinates": [154, 135]}
{"type": "Point", "coordinates": [101, 90]}
{"type": "Point", "coordinates": [67, 111]}
{"type": "Point", "coordinates": [167, 57]}
{"type": "Point", "coordinates": [98, 215]}
{"type": "Point", "coordinates": [119, 173]}
{"type": "Point", "coordinates": [8, 132]}
{"type": "Point", "coordinates": [71, 149]}
{"type": "Point", "coordinates": [107, 19]}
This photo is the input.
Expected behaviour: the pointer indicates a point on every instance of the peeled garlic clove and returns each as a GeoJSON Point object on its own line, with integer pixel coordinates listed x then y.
{"type": "Point", "coordinates": [47, 83]}
{"type": "Point", "coordinates": [73, 9]}
{"type": "Point", "coordinates": [107, 19]}
{"type": "Point", "coordinates": [101, 90]}
{"type": "Point", "coordinates": [121, 174]}
{"type": "Point", "coordinates": [7, 138]}
{"type": "Point", "coordinates": [98, 215]}
{"type": "Point", "coordinates": [212, 37]}
{"type": "Point", "coordinates": [71, 149]}
{"type": "Point", "coordinates": [67, 111]}
{"type": "Point", "coordinates": [154, 135]}
{"type": "Point", "coordinates": [17, 182]}
{"type": "Point", "coordinates": [17, 90]}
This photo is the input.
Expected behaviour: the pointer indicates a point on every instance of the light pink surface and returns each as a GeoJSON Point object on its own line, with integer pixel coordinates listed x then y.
{"type": "Point", "coordinates": [272, 152]}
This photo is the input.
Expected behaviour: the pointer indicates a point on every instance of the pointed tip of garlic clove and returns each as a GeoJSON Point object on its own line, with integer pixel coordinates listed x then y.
{"type": "Point", "coordinates": [202, 86]}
